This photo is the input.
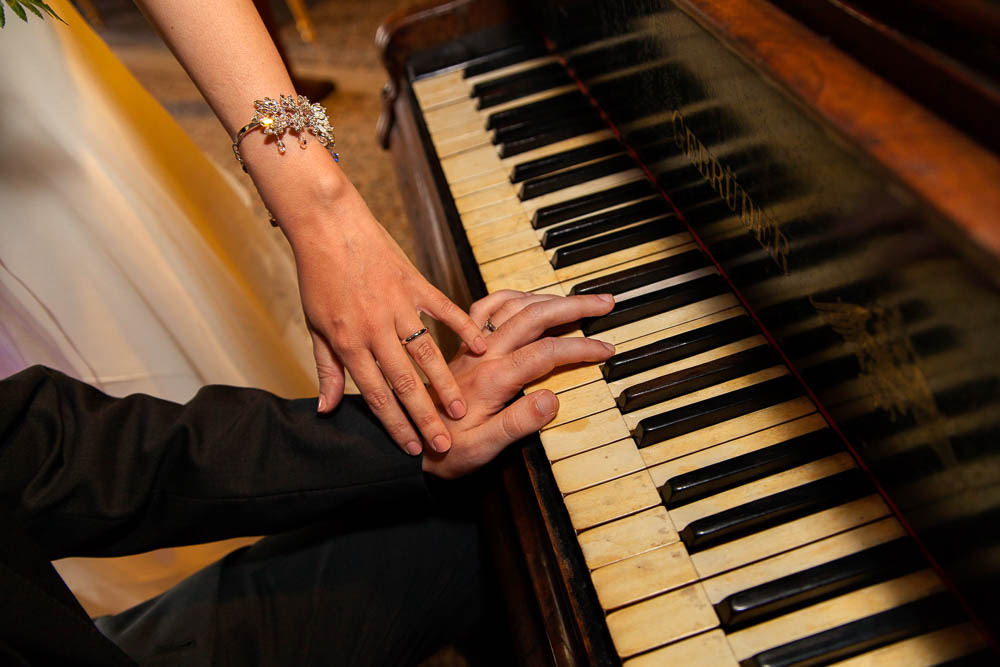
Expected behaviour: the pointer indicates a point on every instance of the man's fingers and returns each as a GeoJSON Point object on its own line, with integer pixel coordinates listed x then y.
{"type": "Point", "coordinates": [330, 372]}
{"type": "Point", "coordinates": [512, 307]}
{"type": "Point", "coordinates": [380, 399]}
{"type": "Point", "coordinates": [525, 416]}
{"type": "Point", "coordinates": [442, 309]}
{"type": "Point", "coordinates": [483, 309]}
{"type": "Point", "coordinates": [410, 391]}
{"type": "Point", "coordinates": [539, 358]}
{"type": "Point", "coordinates": [535, 319]}
{"type": "Point", "coordinates": [425, 353]}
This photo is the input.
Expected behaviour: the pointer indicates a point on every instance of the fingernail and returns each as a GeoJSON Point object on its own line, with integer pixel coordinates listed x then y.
{"type": "Point", "coordinates": [440, 443]}
{"type": "Point", "coordinates": [547, 403]}
{"type": "Point", "coordinates": [607, 298]}
{"type": "Point", "coordinates": [321, 404]}
{"type": "Point", "coordinates": [479, 345]}
{"type": "Point", "coordinates": [413, 447]}
{"type": "Point", "coordinates": [609, 347]}
{"type": "Point", "coordinates": [456, 409]}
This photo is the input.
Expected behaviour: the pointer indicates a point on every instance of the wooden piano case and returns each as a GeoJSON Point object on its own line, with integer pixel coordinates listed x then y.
{"type": "Point", "coordinates": [837, 168]}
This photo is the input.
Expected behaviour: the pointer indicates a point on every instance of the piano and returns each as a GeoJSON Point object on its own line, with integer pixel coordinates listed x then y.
{"type": "Point", "coordinates": [793, 457]}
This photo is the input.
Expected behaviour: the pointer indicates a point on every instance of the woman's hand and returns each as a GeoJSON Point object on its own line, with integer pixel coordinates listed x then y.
{"type": "Point", "coordinates": [362, 297]}
{"type": "Point", "coordinates": [516, 356]}
{"type": "Point", "coordinates": [360, 293]}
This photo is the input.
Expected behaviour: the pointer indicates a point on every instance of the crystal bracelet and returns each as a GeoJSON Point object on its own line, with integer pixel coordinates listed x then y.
{"type": "Point", "coordinates": [275, 117]}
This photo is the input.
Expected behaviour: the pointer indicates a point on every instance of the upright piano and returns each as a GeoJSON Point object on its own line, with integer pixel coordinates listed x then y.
{"type": "Point", "coordinates": [793, 457]}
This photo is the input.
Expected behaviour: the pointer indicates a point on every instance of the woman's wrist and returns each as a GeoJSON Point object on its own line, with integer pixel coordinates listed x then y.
{"type": "Point", "coordinates": [303, 189]}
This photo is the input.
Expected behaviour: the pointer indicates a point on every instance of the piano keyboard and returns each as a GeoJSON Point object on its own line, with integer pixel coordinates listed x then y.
{"type": "Point", "coordinates": [720, 518]}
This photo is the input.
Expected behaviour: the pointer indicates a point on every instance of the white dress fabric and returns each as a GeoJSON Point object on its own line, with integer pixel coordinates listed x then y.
{"type": "Point", "coordinates": [127, 259]}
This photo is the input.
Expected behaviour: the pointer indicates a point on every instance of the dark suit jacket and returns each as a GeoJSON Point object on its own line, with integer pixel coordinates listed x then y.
{"type": "Point", "coordinates": [83, 474]}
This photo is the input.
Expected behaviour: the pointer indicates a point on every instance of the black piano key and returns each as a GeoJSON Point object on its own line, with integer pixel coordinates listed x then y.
{"type": "Point", "coordinates": [620, 55]}
{"type": "Point", "coordinates": [982, 658]}
{"type": "Point", "coordinates": [503, 58]}
{"type": "Point", "coordinates": [822, 582]}
{"type": "Point", "coordinates": [571, 128]}
{"type": "Point", "coordinates": [653, 303]}
{"type": "Point", "coordinates": [866, 634]}
{"type": "Point", "coordinates": [749, 467]}
{"type": "Point", "coordinates": [698, 377]}
{"type": "Point", "coordinates": [646, 274]}
{"type": "Point", "coordinates": [574, 208]}
{"type": "Point", "coordinates": [558, 106]}
{"type": "Point", "coordinates": [677, 347]}
{"type": "Point", "coordinates": [604, 222]}
{"type": "Point", "coordinates": [564, 160]}
{"type": "Point", "coordinates": [514, 133]}
{"type": "Point", "coordinates": [543, 185]}
{"type": "Point", "coordinates": [702, 414]}
{"type": "Point", "coordinates": [494, 93]}
{"type": "Point", "coordinates": [524, 78]}
{"type": "Point", "coordinates": [605, 244]}
{"type": "Point", "coordinates": [775, 509]}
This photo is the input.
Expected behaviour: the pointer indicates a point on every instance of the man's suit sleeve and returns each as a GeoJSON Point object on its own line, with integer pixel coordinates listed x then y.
{"type": "Point", "coordinates": [87, 474]}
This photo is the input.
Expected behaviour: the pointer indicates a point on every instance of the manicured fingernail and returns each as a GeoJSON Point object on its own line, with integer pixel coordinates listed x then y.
{"type": "Point", "coordinates": [607, 297]}
{"type": "Point", "coordinates": [609, 347]}
{"type": "Point", "coordinates": [456, 409]}
{"type": "Point", "coordinates": [440, 443]}
{"type": "Point", "coordinates": [321, 404]}
{"type": "Point", "coordinates": [479, 345]}
{"type": "Point", "coordinates": [413, 447]}
{"type": "Point", "coordinates": [547, 403]}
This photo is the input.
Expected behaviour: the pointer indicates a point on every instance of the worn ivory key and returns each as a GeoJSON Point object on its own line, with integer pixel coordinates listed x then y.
{"type": "Point", "coordinates": [709, 649]}
{"type": "Point", "coordinates": [645, 575]}
{"type": "Point", "coordinates": [611, 500]}
{"type": "Point", "coordinates": [661, 620]}
{"type": "Point", "coordinates": [629, 536]}
{"type": "Point", "coordinates": [597, 465]}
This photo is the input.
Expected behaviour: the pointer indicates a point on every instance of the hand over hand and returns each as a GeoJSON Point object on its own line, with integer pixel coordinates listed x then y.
{"type": "Point", "coordinates": [515, 356]}
{"type": "Point", "coordinates": [362, 296]}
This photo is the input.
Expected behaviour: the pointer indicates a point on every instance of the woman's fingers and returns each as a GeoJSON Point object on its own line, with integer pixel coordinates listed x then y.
{"type": "Point", "coordinates": [411, 392]}
{"type": "Point", "coordinates": [330, 372]}
{"type": "Point", "coordinates": [380, 399]}
{"type": "Point", "coordinates": [424, 351]}
{"type": "Point", "coordinates": [532, 321]}
{"type": "Point", "coordinates": [440, 307]}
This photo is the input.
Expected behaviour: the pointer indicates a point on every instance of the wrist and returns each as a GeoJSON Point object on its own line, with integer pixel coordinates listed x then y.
{"type": "Point", "coordinates": [303, 189]}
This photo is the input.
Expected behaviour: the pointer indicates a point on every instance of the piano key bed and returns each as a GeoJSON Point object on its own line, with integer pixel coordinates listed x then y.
{"type": "Point", "coordinates": [720, 518]}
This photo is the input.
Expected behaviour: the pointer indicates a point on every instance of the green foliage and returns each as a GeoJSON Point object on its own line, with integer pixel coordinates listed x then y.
{"type": "Point", "coordinates": [33, 6]}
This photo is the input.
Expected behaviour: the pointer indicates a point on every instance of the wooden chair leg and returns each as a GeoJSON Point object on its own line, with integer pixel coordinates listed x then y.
{"type": "Point", "coordinates": [89, 10]}
{"type": "Point", "coordinates": [307, 31]}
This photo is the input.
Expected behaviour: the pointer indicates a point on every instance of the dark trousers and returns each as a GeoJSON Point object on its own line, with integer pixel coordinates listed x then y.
{"type": "Point", "coordinates": [375, 590]}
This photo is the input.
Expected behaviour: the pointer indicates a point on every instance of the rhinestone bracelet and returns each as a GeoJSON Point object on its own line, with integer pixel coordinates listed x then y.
{"type": "Point", "coordinates": [274, 117]}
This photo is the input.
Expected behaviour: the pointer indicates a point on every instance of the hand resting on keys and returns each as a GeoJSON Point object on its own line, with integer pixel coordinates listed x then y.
{"type": "Point", "coordinates": [517, 353]}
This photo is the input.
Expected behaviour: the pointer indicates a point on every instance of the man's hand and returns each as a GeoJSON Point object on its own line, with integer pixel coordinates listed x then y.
{"type": "Point", "coordinates": [515, 356]}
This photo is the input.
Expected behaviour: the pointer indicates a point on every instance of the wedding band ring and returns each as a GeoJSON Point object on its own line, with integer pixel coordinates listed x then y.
{"type": "Point", "coordinates": [489, 326]}
{"type": "Point", "coordinates": [413, 336]}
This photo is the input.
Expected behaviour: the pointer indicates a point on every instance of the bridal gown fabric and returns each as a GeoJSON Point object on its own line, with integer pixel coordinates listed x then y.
{"type": "Point", "coordinates": [127, 259]}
